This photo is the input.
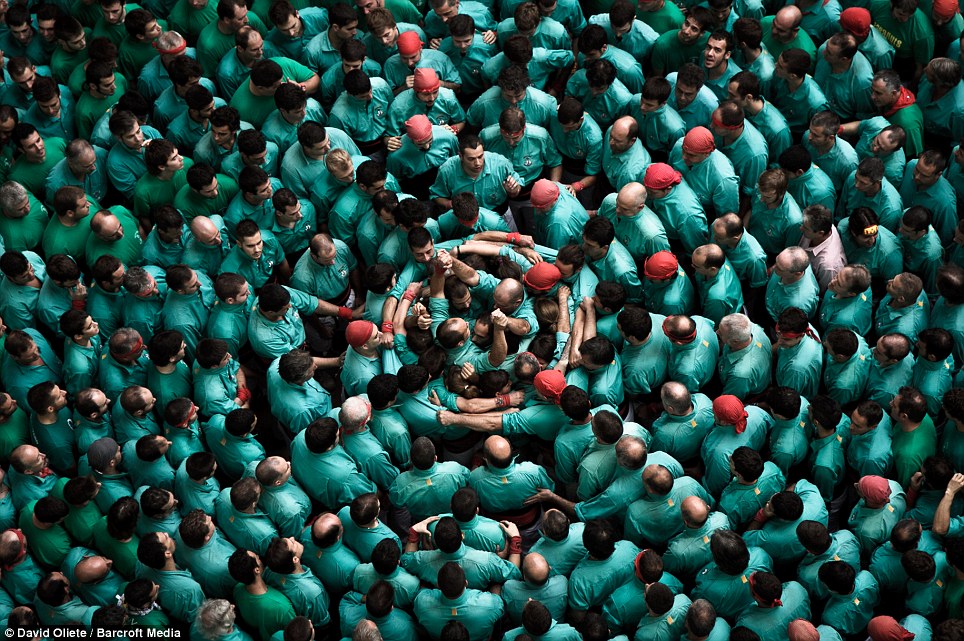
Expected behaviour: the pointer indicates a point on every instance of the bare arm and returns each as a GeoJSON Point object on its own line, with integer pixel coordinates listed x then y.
{"type": "Point", "coordinates": [499, 349]}
{"type": "Point", "coordinates": [942, 518]}
{"type": "Point", "coordinates": [554, 500]}
{"type": "Point", "coordinates": [488, 423]}
{"type": "Point", "coordinates": [563, 323]}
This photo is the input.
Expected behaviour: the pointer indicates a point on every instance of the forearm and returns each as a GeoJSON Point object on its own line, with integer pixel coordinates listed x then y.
{"type": "Point", "coordinates": [444, 203]}
{"type": "Point", "coordinates": [489, 423]}
{"type": "Point", "coordinates": [589, 325]}
{"type": "Point", "coordinates": [563, 324]}
{"type": "Point", "coordinates": [388, 310]}
{"type": "Point", "coordinates": [555, 173]}
{"type": "Point", "coordinates": [942, 518]}
{"type": "Point", "coordinates": [480, 405]}
{"type": "Point", "coordinates": [464, 273]}
{"type": "Point", "coordinates": [500, 349]}
{"type": "Point", "coordinates": [518, 326]}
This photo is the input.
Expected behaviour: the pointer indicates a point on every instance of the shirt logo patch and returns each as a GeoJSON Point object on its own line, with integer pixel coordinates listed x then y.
{"type": "Point", "coordinates": [527, 161]}
{"type": "Point", "coordinates": [756, 491]}
{"type": "Point", "coordinates": [428, 481]}
{"type": "Point", "coordinates": [504, 480]}
{"type": "Point", "coordinates": [455, 612]}
{"type": "Point", "coordinates": [669, 620]}
{"type": "Point", "coordinates": [836, 558]}
{"type": "Point", "coordinates": [670, 503]}
{"type": "Point", "coordinates": [693, 423]}
{"type": "Point", "coordinates": [706, 539]}
{"type": "Point", "coordinates": [743, 578]}
{"type": "Point", "coordinates": [856, 601]}
{"type": "Point", "coordinates": [705, 344]}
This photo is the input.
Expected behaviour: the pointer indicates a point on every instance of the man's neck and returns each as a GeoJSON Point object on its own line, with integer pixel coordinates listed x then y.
{"type": "Point", "coordinates": [718, 71]}
{"type": "Point", "coordinates": [794, 83]}
{"type": "Point", "coordinates": [83, 342]}
{"type": "Point", "coordinates": [750, 54]}
{"type": "Point", "coordinates": [258, 587]}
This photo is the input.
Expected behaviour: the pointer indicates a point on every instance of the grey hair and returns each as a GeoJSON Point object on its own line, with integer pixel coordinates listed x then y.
{"type": "Point", "coordinates": [77, 147]}
{"type": "Point", "coordinates": [12, 194]}
{"type": "Point", "coordinates": [797, 259]}
{"type": "Point", "coordinates": [366, 631]}
{"type": "Point", "coordinates": [890, 78]}
{"type": "Point", "coordinates": [170, 40]}
{"type": "Point", "coordinates": [136, 279]}
{"type": "Point", "coordinates": [736, 328]}
{"type": "Point", "coordinates": [354, 413]}
{"type": "Point", "coordinates": [215, 618]}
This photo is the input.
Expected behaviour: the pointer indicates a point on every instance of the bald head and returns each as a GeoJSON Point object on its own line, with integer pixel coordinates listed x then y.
{"type": "Point", "coordinates": [658, 479]}
{"type": "Point", "coordinates": [694, 511]}
{"type": "Point", "coordinates": [676, 399]}
{"type": "Point", "coordinates": [91, 569]}
{"type": "Point", "coordinates": [708, 257]}
{"type": "Point", "coordinates": [508, 295]}
{"type": "Point", "coordinates": [631, 452]}
{"type": "Point", "coordinates": [498, 452]}
{"type": "Point", "coordinates": [624, 126]}
{"type": "Point", "coordinates": [535, 569]}
{"type": "Point", "coordinates": [789, 17]}
{"type": "Point", "coordinates": [205, 231]}
{"type": "Point", "coordinates": [325, 524]}
{"type": "Point", "coordinates": [10, 547]}
{"type": "Point", "coordinates": [631, 198]}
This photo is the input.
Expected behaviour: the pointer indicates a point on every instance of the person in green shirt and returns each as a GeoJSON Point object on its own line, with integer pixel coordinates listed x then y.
{"type": "Point", "coordinates": [24, 275]}
{"type": "Point", "coordinates": [685, 421]}
{"type": "Point", "coordinates": [924, 185]}
{"type": "Point", "coordinates": [853, 596]}
{"type": "Point", "coordinates": [742, 250]}
{"type": "Point", "coordinates": [723, 581]}
{"type": "Point", "coordinates": [50, 425]}
{"type": "Point", "coordinates": [742, 143]}
{"type": "Point", "coordinates": [41, 522]}
{"type": "Point", "coordinates": [660, 15]}
{"type": "Point", "coordinates": [477, 611]}
{"type": "Point", "coordinates": [425, 489]}
{"type": "Point", "coordinates": [38, 157]}
{"type": "Point", "coordinates": [682, 45]}
{"type": "Point", "coordinates": [847, 303]}
{"type": "Point", "coordinates": [218, 37]}
{"type": "Point", "coordinates": [717, 283]}
{"type": "Point", "coordinates": [194, 483]}
{"type": "Point", "coordinates": [22, 218]}
{"type": "Point", "coordinates": [92, 576]}
{"type": "Point", "coordinates": [689, 551]}
{"type": "Point", "coordinates": [99, 95]}
{"type": "Point", "coordinates": [733, 428]}
{"type": "Point", "coordinates": [55, 604]}
{"type": "Point", "coordinates": [707, 171]}
{"type": "Point", "coordinates": [827, 447]}
{"type": "Point", "coordinates": [255, 97]}
{"type": "Point", "coordinates": [776, 605]}
{"type": "Point", "coordinates": [754, 481]}
{"type": "Point", "coordinates": [14, 432]}
{"type": "Point", "coordinates": [667, 289]}
{"type": "Point", "coordinates": [909, 30]}
{"type": "Point", "coordinates": [799, 353]}
{"type": "Point", "coordinates": [914, 436]}
{"type": "Point", "coordinates": [932, 371]}
{"type": "Point", "coordinates": [782, 32]}
{"type": "Point", "coordinates": [745, 357]}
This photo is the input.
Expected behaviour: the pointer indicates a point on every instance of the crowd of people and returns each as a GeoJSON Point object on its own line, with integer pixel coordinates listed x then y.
{"type": "Point", "coordinates": [472, 319]}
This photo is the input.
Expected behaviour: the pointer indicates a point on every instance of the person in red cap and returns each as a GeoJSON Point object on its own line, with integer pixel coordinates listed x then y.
{"type": "Point", "coordinates": [886, 628]}
{"type": "Point", "coordinates": [426, 97]}
{"type": "Point", "coordinates": [532, 153]}
{"type": "Point", "coordinates": [881, 505]}
{"type": "Point", "coordinates": [421, 151]}
{"type": "Point", "coordinates": [542, 277]}
{"type": "Point", "coordinates": [399, 69]}
{"type": "Point", "coordinates": [363, 360]}
{"type": "Point", "coordinates": [542, 418]}
{"type": "Point", "coordinates": [870, 42]}
{"type": "Point", "coordinates": [736, 425]}
{"type": "Point", "coordinates": [707, 171]}
{"type": "Point", "coordinates": [676, 205]}
{"type": "Point", "coordinates": [559, 216]}
{"type": "Point", "coordinates": [667, 289]}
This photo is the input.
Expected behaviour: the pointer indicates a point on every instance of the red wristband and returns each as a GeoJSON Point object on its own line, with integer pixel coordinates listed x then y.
{"type": "Point", "coordinates": [409, 295]}
{"type": "Point", "coordinates": [79, 304]}
{"type": "Point", "coordinates": [513, 237]}
{"type": "Point", "coordinates": [840, 130]}
{"type": "Point", "coordinates": [515, 545]}
{"type": "Point", "coordinates": [760, 516]}
{"type": "Point", "coordinates": [413, 536]}
{"type": "Point", "coordinates": [345, 313]}
{"type": "Point", "coordinates": [577, 186]}
{"type": "Point", "coordinates": [244, 394]}
{"type": "Point", "coordinates": [388, 327]}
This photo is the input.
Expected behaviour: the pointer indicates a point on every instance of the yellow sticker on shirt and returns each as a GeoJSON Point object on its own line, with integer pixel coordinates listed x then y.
{"type": "Point", "coordinates": [428, 481]}
{"type": "Point", "coordinates": [756, 491]}
{"type": "Point", "coordinates": [504, 480]}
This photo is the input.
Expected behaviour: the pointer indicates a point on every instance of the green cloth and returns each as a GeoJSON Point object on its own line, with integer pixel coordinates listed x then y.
{"type": "Point", "coordinates": [127, 249]}
{"type": "Point", "coordinates": [886, 202]}
{"type": "Point", "coordinates": [790, 438]}
{"type": "Point", "coordinates": [552, 594]}
{"type": "Point", "coordinates": [268, 612]}
{"type": "Point", "coordinates": [851, 312]}
{"type": "Point", "coordinates": [151, 192]}
{"type": "Point", "coordinates": [253, 531]}
{"type": "Point", "coordinates": [232, 453]}
{"type": "Point", "coordinates": [505, 489]}
{"type": "Point", "coordinates": [335, 564]}
{"type": "Point", "coordinates": [827, 464]}
{"type": "Point", "coordinates": [800, 366]}
{"type": "Point", "coordinates": [593, 580]}
{"type": "Point", "coordinates": [748, 260]}
{"type": "Point", "coordinates": [487, 187]}
{"type": "Point", "coordinates": [843, 547]}
{"type": "Point", "coordinates": [538, 106]}
{"type": "Point", "coordinates": [775, 228]}
{"type": "Point", "coordinates": [428, 492]}
{"type": "Point", "coordinates": [689, 551]}
{"type": "Point", "coordinates": [742, 501]}
{"type": "Point", "coordinates": [747, 371]}
{"type": "Point", "coordinates": [695, 363]}
{"type": "Point", "coordinates": [850, 613]}
{"type": "Point", "coordinates": [60, 239]}
{"type": "Point", "coordinates": [530, 156]}
{"type": "Point", "coordinates": [406, 585]}
{"type": "Point", "coordinates": [721, 294]}
{"type": "Point", "coordinates": [565, 554]}
{"type": "Point", "coordinates": [641, 233]}
{"type": "Point", "coordinates": [25, 233]}
{"type": "Point", "coordinates": [213, 45]}
{"type": "Point", "coordinates": [722, 441]}
{"type": "Point", "coordinates": [726, 592]}
{"type": "Point", "coordinates": [34, 175]}
{"type": "Point", "coordinates": [668, 53]}
{"type": "Point", "coordinates": [770, 623]}
{"type": "Point", "coordinates": [748, 162]}
{"type": "Point", "coordinates": [883, 383]}
{"type": "Point", "coordinates": [56, 440]}
{"type": "Point", "coordinates": [49, 547]}
{"type": "Point", "coordinates": [682, 436]}
{"type": "Point", "coordinates": [482, 569]}
{"type": "Point", "coordinates": [716, 185]}
{"type": "Point", "coordinates": [654, 520]}
{"type": "Point", "coordinates": [911, 448]}
{"type": "Point", "coordinates": [477, 611]}
{"type": "Point", "coordinates": [804, 294]}
{"type": "Point", "coordinates": [778, 538]}
{"type": "Point", "coordinates": [911, 39]}
{"type": "Point", "coordinates": [18, 303]}
{"type": "Point", "coordinates": [801, 41]}
{"type": "Point", "coordinates": [626, 167]}
{"type": "Point", "coordinates": [331, 478]}
{"type": "Point", "coordinates": [306, 593]}
{"type": "Point", "coordinates": [296, 406]}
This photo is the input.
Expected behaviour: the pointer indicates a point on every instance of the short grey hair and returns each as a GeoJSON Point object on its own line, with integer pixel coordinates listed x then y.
{"type": "Point", "coordinates": [796, 258]}
{"type": "Point", "coordinates": [136, 279]}
{"type": "Point", "coordinates": [736, 328]}
{"type": "Point", "coordinates": [215, 618]}
{"type": "Point", "coordinates": [169, 40]}
{"type": "Point", "coordinates": [12, 194]}
{"type": "Point", "coordinates": [366, 630]}
{"type": "Point", "coordinates": [355, 412]}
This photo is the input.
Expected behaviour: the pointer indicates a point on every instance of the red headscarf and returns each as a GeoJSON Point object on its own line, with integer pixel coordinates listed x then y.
{"type": "Point", "coordinates": [730, 409]}
{"type": "Point", "coordinates": [875, 490]}
{"type": "Point", "coordinates": [550, 383]}
{"type": "Point", "coordinates": [886, 628]}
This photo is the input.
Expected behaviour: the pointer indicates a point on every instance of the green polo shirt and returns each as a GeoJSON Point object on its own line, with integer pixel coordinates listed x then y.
{"type": "Point", "coordinates": [742, 501]}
